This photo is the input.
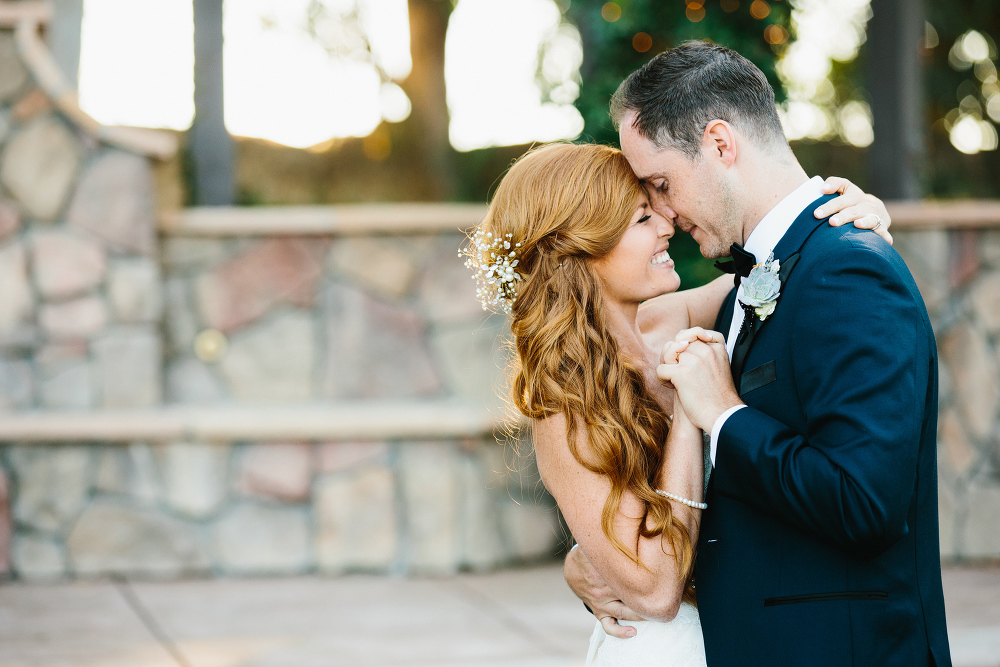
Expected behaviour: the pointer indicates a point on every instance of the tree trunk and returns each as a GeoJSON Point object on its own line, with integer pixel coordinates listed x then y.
{"type": "Point", "coordinates": [895, 34]}
{"type": "Point", "coordinates": [427, 126]}
{"type": "Point", "coordinates": [209, 143]}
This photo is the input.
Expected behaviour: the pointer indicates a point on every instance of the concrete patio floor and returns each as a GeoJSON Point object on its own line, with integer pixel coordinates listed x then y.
{"type": "Point", "coordinates": [515, 618]}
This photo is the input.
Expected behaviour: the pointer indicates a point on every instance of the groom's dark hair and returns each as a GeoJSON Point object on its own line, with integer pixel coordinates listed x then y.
{"type": "Point", "coordinates": [679, 91]}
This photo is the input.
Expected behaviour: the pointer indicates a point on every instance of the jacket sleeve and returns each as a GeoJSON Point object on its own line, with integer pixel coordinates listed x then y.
{"type": "Point", "coordinates": [861, 366]}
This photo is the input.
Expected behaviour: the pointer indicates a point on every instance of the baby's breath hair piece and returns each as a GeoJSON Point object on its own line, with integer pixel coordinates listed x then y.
{"type": "Point", "coordinates": [493, 260]}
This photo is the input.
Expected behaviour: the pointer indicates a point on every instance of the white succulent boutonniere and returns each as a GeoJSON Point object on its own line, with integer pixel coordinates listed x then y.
{"type": "Point", "coordinates": [762, 287]}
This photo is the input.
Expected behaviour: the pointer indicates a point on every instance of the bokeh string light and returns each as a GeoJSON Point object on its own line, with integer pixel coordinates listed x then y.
{"type": "Point", "coordinates": [969, 128]}
{"type": "Point", "coordinates": [642, 42]}
{"type": "Point", "coordinates": [695, 11]}
{"type": "Point", "coordinates": [815, 110]}
{"type": "Point", "coordinates": [760, 9]}
{"type": "Point", "coordinates": [775, 34]}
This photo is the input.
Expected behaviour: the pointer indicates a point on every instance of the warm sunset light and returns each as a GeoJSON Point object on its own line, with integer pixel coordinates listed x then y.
{"type": "Point", "coordinates": [281, 83]}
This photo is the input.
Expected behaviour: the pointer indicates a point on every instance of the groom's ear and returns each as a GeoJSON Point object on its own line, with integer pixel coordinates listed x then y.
{"type": "Point", "coordinates": [719, 141]}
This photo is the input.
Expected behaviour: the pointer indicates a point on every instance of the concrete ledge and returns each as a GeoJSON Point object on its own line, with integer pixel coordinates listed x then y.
{"type": "Point", "coordinates": [345, 220]}
{"type": "Point", "coordinates": [429, 218]}
{"type": "Point", "coordinates": [924, 215]}
{"type": "Point", "coordinates": [333, 421]}
{"type": "Point", "coordinates": [13, 13]}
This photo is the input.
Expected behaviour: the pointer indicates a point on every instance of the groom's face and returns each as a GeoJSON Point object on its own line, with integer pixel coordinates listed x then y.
{"type": "Point", "coordinates": [689, 192]}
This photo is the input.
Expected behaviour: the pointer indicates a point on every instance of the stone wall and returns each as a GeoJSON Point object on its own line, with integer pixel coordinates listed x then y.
{"type": "Point", "coordinates": [192, 508]}
{"type": "Point", "coordinates": [290, 319]}
{"type": "Point", "coordinates": [958, 273]}
{"type": "Point", "coordinates": [99, 314]}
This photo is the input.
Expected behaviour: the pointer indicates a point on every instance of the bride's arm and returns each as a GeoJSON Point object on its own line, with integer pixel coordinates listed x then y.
{"type": "Point", "coordinates": [669, 313]}
{"type": "Point", "coordinates": [653, 592]}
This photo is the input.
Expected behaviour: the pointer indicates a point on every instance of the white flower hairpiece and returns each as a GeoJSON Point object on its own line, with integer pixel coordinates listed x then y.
{"type": "Point", "coordinates": [493, 260]}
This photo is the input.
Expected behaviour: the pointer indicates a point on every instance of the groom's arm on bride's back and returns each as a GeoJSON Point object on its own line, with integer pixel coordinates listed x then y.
{"type": "Point", "coordinates": [862, 366]}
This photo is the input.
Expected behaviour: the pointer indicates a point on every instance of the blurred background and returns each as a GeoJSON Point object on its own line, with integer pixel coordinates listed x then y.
{"type": "Point", "coordinates": [237, 342]}
{"type": "Point", "coordinates": [408, 101]}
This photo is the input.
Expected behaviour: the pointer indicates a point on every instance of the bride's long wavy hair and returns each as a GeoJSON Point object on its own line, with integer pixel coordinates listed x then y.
{"type": "Point", "coordinates": [568, 205]}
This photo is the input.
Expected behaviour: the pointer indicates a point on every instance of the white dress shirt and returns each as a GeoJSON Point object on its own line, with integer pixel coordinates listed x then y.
{"type": "Point", "coordinates": [764, 237]}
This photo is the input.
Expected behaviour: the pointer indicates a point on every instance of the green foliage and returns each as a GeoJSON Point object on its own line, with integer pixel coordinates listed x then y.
{"type": "Point", "coordinates": [610, 56]}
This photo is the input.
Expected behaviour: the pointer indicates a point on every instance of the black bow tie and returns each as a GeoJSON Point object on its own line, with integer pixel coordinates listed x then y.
{"type": "Point", "coordinates": [741, 264]}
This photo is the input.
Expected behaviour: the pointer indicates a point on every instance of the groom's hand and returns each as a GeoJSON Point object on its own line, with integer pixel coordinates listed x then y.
{"type": "Point", "coordinates": [589, 586]}
{"type": "Point", "coordinates": [697, 365]}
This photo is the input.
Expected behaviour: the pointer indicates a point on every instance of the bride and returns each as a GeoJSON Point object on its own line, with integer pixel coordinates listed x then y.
{"type": "Point", "coordinates": [572, 250]}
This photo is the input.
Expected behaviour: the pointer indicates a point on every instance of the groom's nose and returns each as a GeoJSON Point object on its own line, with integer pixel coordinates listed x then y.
{"type": "Point", "coordinates": [664, 210]}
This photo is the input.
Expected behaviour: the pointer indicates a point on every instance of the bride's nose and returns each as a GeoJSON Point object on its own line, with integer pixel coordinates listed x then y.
{"type": "Point", "coordinates": [665, 226]}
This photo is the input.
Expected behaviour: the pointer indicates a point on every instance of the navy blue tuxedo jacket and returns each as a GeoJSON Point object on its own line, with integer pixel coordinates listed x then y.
{"type": "Point", "coordinates": [820, 542]}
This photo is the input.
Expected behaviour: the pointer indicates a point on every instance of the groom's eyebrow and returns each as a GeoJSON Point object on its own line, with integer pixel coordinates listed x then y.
{"type": "Point", "coordinates": [658, 174]}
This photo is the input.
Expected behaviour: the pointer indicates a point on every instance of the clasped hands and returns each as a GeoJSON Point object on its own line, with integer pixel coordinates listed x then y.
{"type": "Point", "coordinates": [697, 365]}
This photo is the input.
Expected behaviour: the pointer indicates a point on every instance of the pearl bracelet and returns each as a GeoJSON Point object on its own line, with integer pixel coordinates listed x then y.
{"type": "Point", "coordinates": [683, 501]}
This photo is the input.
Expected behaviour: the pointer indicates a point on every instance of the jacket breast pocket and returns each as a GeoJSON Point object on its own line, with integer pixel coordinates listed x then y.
{"type": "Point", "coordinates": [755, 378]}
{"type": "Point", "coordinates": [850, 596]}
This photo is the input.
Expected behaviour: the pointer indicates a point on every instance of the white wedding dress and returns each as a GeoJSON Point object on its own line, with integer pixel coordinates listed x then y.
{"type": "Point", "coordinates": [675, 644]}
{"type": "Point", "coordinates": [678, 643]}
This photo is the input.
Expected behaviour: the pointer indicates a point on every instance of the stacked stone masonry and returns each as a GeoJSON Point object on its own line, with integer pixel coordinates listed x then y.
{"type": "Point", "coordinates": [188, 508]}
{"type": "Point", "coordinates": [98, 312]}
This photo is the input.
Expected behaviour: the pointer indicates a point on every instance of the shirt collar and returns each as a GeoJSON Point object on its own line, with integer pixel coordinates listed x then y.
{"type": "Point", "coordinates": [773, 226]}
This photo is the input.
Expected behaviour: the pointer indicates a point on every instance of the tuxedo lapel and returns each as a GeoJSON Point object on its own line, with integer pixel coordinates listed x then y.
{"type": "Point", "coordinates": [803, 227]}
{"type": "Point", "coordinates": [725, 317]}
{"type": "Point", "coordinates": [742, 347]}
{"type": "Point", "coordinates": [787, 253]}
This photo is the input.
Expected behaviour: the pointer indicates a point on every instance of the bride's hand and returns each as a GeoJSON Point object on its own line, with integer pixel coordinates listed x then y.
{"type": "Point", "coordinates": [853, 205]}
{"type": "Point", "coordinates": [697, 365]}
{"type": "Point", "coordinates": [672, 350]}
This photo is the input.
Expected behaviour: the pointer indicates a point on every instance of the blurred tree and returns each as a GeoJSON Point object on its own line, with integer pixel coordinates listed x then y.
{"type": "Point", "coordinates": [209, 156]}
{"type": "Point", "coordinates": [427, 125]}
{"type": "Point", "coordinates": [421, 140]}
{"type": "Point", "coordinates": [963, 98]}
{"type": "Point", "coordinates": [895, 38]}
{"type": "Point", "coordinates": [619, 37]}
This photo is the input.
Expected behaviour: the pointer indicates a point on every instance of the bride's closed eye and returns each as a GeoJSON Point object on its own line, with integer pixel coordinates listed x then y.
{"type": "Point", "coordinates": [643, 219]}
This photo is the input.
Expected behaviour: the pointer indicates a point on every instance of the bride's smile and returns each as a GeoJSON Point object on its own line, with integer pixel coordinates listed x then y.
{"type": "Point", "coordinates": [662, 257]}
{"type": "Point", "coordinates": [640, 267]}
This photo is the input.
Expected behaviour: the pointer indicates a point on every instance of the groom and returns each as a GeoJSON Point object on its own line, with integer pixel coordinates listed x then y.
{"type": "Point", "coordinates": [820, 542]}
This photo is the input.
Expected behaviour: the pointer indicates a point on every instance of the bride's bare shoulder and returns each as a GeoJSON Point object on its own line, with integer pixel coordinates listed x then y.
{"type": "Point", "coordinates": [660, 318]}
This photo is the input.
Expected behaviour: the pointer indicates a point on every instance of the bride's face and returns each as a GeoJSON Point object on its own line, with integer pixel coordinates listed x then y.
{"type": "Point", "coordinates": [640, 267]}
